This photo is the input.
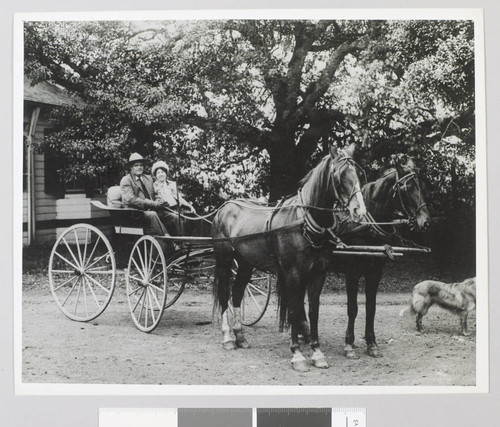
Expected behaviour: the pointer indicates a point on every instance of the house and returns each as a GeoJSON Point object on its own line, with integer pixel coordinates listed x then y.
{"type": "Point", "coordinates": [48, 207]}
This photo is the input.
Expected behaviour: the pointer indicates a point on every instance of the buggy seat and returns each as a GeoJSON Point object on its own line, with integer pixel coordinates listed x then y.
{"type": "Point", "coordinates": [124, 220]}
{"type": "Point", "coordinates": [114, 197]}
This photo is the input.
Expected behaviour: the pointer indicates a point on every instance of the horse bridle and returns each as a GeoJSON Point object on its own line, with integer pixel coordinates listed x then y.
{"type": "Point", "coordinates": [315, 233]}
{"type": "Point", "coordinates": [401, 185]}
{"type": "Point", "coordinates": [346, 162]}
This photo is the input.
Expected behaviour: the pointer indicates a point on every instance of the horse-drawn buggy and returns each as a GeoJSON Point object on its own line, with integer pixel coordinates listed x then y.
{"type": "Point", "coordinates": [84, 267]}
{"type": "Point", "coordinates": [298, 240]}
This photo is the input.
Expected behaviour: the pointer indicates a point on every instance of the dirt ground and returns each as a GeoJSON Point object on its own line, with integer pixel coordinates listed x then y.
{"type": "Point", "coordinates": [186, 347]}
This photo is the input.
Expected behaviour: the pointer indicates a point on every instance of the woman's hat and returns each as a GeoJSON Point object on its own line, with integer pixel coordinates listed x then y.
{"type": "Point", "coordinates": [157, 165]}
{"type": "Point", "coordinates": [136, 157]}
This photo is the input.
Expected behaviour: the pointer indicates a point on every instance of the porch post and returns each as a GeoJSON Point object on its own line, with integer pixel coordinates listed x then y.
{"type": "Point", "coordinates": [31, 177]}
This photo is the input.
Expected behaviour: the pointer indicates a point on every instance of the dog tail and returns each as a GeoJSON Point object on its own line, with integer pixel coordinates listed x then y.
{"type": "Point", "coordinates": [408, 309]}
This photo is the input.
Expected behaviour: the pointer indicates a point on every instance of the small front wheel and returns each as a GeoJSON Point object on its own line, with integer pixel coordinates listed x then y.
{"type": "Point", "coordinates": [188, 266]}
{"type": "Point", "coordinates": [146, 281]}
{"type": "Point", "coordinates": [256, 298]}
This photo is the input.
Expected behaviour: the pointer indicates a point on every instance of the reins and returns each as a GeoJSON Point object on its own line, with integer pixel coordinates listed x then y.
{"type": "Point", "coordinates": [251, 206]}
{"type": "Point", "coordinates": [399, 185]}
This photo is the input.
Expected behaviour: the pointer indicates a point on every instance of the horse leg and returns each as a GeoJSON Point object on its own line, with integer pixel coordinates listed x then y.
{"type": "Point", "coordinates": [240, 282]}
{"type": "Point", "coordinates": [303, 324]}
{"type": "Point", "coordinates": [463, 322]}
{"type": "Point", "coordinates": [227, 337]}
{"type": "Point", "coordinates": [299, 362]}
{"type": "Point", "coordinates": [372, 281]}
{"type": "Point", "coordinates": [314, 290]}
{"type": "Point", "coordinates": [352, 284]}
{"type": "Point", "coordinates": [295, 305]}
{"type": "Point", "coordinates": [222, 288]}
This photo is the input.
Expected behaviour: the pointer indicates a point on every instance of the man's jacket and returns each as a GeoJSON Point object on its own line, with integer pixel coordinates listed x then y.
{"type": "Point", "coordinates": [137, 193]}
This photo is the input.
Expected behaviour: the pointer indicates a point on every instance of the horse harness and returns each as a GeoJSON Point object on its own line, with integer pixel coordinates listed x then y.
{"type": "Point", "coordinates": [315, 234]}
{"type": "Point", "coordinates": [399, 186]}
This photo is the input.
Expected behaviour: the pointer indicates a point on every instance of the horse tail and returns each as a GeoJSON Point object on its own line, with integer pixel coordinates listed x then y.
{"type": "Point", "coordinates": [282, 299]}
{"type": "Point", "coordinates": [222, 271]}
{"type": "Point", "coordinates": [222, 282]}
{"type": "Point", "coordinates": [215, 294]}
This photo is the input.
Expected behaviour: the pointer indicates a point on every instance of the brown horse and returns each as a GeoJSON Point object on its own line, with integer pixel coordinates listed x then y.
{"type": "Point", "coordinates": [398, 189]}
{"type": "Point", "coordinates": [287, 241]}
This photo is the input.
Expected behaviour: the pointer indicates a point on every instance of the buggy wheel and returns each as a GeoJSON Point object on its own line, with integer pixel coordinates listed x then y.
{"type": "Point", "coordinates": [82, 272]}
{"type": "Point", "coordinates": [176, 274]}
{"type": "Point", "coordinates": [146, 281]}
{"type": "Point", "coordinates": [195, 265]}
{"type": "Point", "coordinates": [256, 298]}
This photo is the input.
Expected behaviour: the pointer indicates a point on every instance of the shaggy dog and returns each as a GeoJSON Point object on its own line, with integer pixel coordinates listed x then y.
{"type": "Point", "coordinates": [459, 298]}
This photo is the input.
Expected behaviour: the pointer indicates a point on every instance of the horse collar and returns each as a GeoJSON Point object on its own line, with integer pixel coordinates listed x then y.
{"type": "Point", "coordinates": [315, 234]}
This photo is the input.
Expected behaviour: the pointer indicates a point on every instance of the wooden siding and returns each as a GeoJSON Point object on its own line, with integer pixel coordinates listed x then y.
{"type": "Point", "coordinates": [51, 212]}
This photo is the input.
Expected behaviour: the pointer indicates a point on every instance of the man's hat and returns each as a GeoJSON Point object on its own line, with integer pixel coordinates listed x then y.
{"type": "Point", "coordinates": [136, 157]}
{"type": "Point", "coordinates": [160, 164]}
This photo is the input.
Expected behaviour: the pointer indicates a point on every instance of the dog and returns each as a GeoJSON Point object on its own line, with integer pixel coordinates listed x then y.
{"type": "Point", "coordinates": [458, 298]}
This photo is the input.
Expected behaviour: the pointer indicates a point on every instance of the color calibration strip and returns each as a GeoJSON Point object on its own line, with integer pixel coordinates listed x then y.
{"type": "Point", "coordinates": [232, 417]}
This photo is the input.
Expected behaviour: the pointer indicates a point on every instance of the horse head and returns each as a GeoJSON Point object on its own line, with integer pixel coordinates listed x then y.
{"type": "Point", "coordinates": [346, 183]}
{"type": "Point", "coordinates": [410, 193]}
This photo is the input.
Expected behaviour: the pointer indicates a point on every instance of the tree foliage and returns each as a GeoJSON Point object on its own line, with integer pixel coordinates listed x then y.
{"type": "Point", "coordinates": [245, 107]}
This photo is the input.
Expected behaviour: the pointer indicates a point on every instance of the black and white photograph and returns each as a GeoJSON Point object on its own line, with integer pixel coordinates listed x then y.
{"type": "Point", "coordinates": [285, 202]}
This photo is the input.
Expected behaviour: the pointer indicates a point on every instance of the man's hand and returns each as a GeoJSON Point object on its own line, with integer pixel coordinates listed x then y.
{"type": "Point", "coordinates": [157, 205]}
{"type": "Point", "coordinates": [188, 209]}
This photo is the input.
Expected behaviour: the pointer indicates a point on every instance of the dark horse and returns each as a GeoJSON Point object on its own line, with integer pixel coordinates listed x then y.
{"type": "Point", "coordinates": [398, 189]}
{"type": "Point", "coordinates": [282, 240]}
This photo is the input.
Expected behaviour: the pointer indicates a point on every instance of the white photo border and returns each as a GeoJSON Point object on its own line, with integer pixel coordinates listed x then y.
{"type": "Point", "coordinates": [482, 343]}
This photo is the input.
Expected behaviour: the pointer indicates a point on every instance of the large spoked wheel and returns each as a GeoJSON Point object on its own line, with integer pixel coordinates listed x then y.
{"type": "Point", "coordinates": [82, 272]}
{"type": "Point", "coordinates": [194, 266]}
{"type": "Point", "coordinates": [256, 297]}
{"type": "Point", "coordinates": [146, 281]}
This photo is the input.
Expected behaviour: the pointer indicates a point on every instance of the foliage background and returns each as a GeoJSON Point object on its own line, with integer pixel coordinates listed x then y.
{"type": "Point", "coordinates": [245, 108]}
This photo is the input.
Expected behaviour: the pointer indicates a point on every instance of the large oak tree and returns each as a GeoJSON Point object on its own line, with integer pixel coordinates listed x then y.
{"type": "Point", "coordinates": [245, 107]}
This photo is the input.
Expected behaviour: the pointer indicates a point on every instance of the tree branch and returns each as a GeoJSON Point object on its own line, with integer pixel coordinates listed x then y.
{"type": "Point", "coordinates": [317, 89]}
{"type": "Point", "coordinates": [244, 133]}
{"type": "Point", "coordinates": [303, 42]}
{"type": "Point", "coordinates": [222, 167]}
{"type": "Point", "coordinates": [275, 82]}
{"type": "Point", "coordinates": [321, 123]}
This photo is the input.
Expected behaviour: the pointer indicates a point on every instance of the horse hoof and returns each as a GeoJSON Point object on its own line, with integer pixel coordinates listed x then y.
{"type": "Point", "coordinates": [229, 345]}
{"type": "Point", "coordinates": [300, 366]}
{"type": "Point", "coordinates": [373, 351]}
{"type": "Point", "coordinates": [321, 363]}
{"type": "Point", "coordinates": [351, 354]}
{"type": "Point", "coordinates": [350, 351]}
{"type": "Point", "coordinates": [242, 343]}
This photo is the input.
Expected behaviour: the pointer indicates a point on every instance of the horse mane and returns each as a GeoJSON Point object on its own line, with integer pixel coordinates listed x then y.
{"type": "Point", "coordinates": [375, 192]}
{"type": "Point", "coordinates": [317, 174]}
{"type": "Point", "coordinates": [374, 189]}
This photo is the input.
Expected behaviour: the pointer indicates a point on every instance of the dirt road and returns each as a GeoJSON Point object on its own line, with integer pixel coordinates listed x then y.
{"type": "Point", "coordinates": [186, 348]}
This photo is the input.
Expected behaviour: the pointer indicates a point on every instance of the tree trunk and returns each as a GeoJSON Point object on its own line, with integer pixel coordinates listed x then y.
{"type": "Point", "coordinates": [287, 168]}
